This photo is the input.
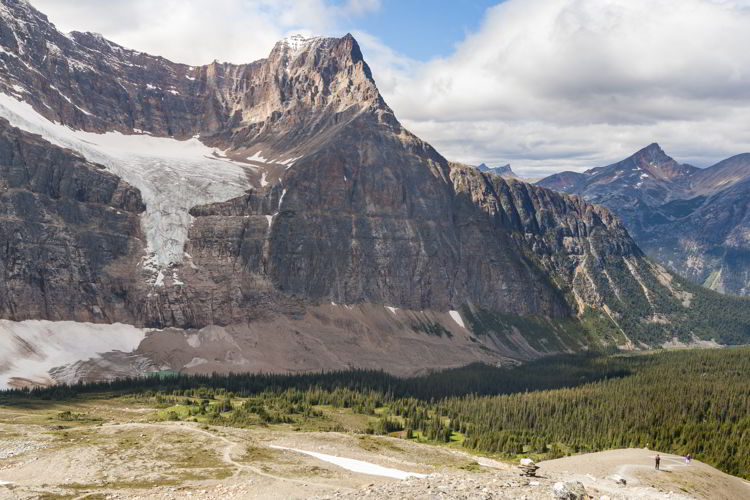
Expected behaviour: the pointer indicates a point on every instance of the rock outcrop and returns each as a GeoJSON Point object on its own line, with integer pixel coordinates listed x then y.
{"type": "Point", "coordinates": [66, 228]}
{"type": "Point", "coordinates": [503, 170]}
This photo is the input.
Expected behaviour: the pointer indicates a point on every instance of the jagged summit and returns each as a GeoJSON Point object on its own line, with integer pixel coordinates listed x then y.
{"type": "Point", "coordinates": [653, 160]}
{"type": "Point", "coordinates": [279, 216]}
{"type": "Point", "coordinates": [651, 155]}
{"type": "Point", "coordinates": [298, 43]}
{"type": "Point", "coordinates": [652, 149]}
{"type": "Point", "coordinates": [501, 170]}
{"type": "Point", "coordinates": [100, 86]}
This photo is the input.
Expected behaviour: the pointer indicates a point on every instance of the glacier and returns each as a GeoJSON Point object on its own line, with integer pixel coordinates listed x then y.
{"type": "Point", "coordinates": [172, 175]}
{"type": "Point", "coordinates": [30, 349]}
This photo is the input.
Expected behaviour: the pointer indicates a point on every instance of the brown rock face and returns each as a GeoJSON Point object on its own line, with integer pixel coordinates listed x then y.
{"type": "Point", "coordinates": [63, 223]}
{"type": "Point", "coordinates": [89, 83]}
{"type": "Point", "coordinates": [343, 206]}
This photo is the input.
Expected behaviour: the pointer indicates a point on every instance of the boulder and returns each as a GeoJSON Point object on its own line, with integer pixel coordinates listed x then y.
{"type": "Point", "coordinates": [573, 490]}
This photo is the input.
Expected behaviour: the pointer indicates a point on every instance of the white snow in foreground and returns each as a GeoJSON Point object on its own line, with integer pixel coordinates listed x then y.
{"type": "Point", "coordinates": [356, 465]}
{"type": "Point", "coordinates": [29, 349]}
{"type": "Point", "coordinates": [173, 176]}
{"type": "Point", "coordinates": [457, 318]}
{"type": "Point", "coordinates": [2, 483]}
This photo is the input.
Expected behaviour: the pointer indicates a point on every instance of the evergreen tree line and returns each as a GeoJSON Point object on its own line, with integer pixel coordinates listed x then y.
{"type": "Point", "coordinates": [546, 373]}
{"type": "Point", "coordinates": [690, 401]}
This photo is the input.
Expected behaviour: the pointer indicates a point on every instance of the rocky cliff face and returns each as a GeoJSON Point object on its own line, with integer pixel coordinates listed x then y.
{"type": "Point", "coordinates": [690, 220]}
{"type": "Point", "coordinates": [280, 207]}
{"type": "Point", "coordinates": [64, 223]}
{"type": "Point", "coordinates": [89, 83]}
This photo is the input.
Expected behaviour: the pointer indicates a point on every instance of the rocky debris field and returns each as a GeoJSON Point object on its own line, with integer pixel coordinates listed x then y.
{"type": "Point", "coordinates": [492, 485]}
{"type": "Point", "coordinates": [487, 486]}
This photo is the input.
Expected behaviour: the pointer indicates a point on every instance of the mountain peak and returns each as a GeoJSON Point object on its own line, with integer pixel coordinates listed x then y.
{"type": "Point", "coordinates": [296, 44]}
{"type": "Point", "coordinates": [653, 153]}
{"type": "Point", "coordinates": [501, 170]}
{"type": "Point", "coordinates": [337, 53]}
{"type": "Point", "coordinates": [654, 146]}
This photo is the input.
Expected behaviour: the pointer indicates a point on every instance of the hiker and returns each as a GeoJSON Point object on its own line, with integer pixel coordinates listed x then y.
{"type": "Point", "coordinates": [657, 459]}
{"type": "Point", "coordinates": [689, 459]}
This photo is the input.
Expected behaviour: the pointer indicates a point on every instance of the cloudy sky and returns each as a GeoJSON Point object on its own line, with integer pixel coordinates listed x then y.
{"type": "Point", "coordinates": [545, 85]}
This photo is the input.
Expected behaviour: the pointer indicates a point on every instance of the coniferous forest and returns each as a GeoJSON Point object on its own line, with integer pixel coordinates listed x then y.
{"type": "Point", "coordinates": [688, 401]}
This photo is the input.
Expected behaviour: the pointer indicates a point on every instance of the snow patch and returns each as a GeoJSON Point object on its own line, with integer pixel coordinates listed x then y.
{"type": "Point", "coordinates": [263, 181]}
{"type": "Point", "coordinates": [196, 362]}
{"type": "Point", "coordinates": [355, 465]}
{"type": "Point", "coordinates": [193, 340]}
{"type": "Point", "coordinates": [173, 176]}
{"type": "Point", "coordinates": [269, 218]}
{"type": "Point", "coordinates": [69, 101]}
{"type": "Point", "coordinates": [457, 318]}
{"type": "Point", "coordinates": [290, 161]}
{"type": "Point", "coordinates": [297, 44]}
{"type": "Point", "coordinates": [257, 157]}
{"type": "Point", "coordinates": [31, 348]}
{"type": "Point", "coordinates": [392, 309]}
{"type": "Point", "coordinates": [159, 279]}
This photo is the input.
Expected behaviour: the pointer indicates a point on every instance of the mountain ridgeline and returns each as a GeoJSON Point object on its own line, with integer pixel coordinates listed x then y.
{"type": "Point", "coordinates": [344, 240]}
{"type": "Point", "coordinates": [693, 221]}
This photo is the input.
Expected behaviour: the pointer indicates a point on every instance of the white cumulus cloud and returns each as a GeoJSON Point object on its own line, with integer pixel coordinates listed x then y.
{"type": "Point", "coordinates": [543, 84]}
{"type": "Point", "coordinates": [553, 84]}
{"type": "Point", "coordinates": [199, 31]}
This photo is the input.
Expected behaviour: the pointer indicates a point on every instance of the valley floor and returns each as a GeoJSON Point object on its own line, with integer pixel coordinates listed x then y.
{"type": "Point", "coordinates": [113, 448]}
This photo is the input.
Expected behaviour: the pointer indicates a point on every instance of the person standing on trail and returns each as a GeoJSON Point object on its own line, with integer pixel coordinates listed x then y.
{"type": "Point", "coordinates": [689, 459]}
{"type": "Point", "coordinates": [657, 459]}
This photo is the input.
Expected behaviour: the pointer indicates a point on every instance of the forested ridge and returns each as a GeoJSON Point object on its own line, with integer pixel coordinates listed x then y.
{"type": "Point", "coordinates": [689, 401]}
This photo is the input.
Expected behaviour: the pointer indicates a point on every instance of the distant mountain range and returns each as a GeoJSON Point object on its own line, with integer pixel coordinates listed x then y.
{"type": "Point", "coordinates": [692, 220]}
{"type": "Point", "coordinates": [502, 170]}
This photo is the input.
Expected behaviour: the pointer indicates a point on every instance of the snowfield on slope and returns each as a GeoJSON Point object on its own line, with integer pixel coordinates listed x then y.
{"type": "Point", "coordinates": [30, 349]}
{"type": "Point", "coordinates": [173, 176]}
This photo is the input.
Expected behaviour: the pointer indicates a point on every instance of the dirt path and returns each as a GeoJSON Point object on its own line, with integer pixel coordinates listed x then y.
{"type": "Point", "coordinates": [227, 452]}
{"type": "Point", "coordinates": [180, 460]}
{"type": "Point", "coordinates": [669, 463]}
